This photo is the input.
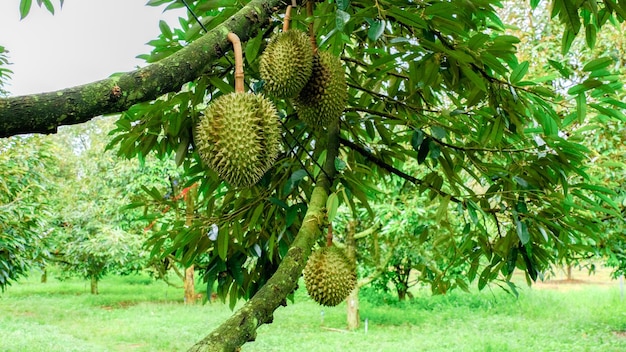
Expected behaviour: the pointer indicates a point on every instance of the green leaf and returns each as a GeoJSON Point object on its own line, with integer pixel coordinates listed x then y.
{"type": "Point", "coordinates": [252, 48]}
{"type": "Point", "coordinates": [474, 78]}
{"type": "Point", "coordinates": [181, 151]}
{"type": "Point", "coordinates": [416, 139]}
{"type": "Point", "coordinates": [221, 85]}
{"type": "Point", "coordinates": [341, 18]}
{"type": "Point", "coordinates": [343, 4]}
{"type": "Point", "coordinates": [519, 72]}
{"type": "Point", "coordinates": [423, 151]}
{"type": "Point", "coordinates": [438, 132]}
{"type": "Point", "coordinates": [530, 267]}
{"type": "Point", "coordinates": [567, 40]}
{"type": "Point", "coordinates": [165, 29]}
{"type": "Point", "coordinates": [522, 230]}
{"type": "Point", "coordinates": [581, 106]}
{"type": "Point", "coordinates": [590, 35]}
{"type": "Point", "coordinates": [598, 64]}
{"type": "Point", "coordinates": [511, 261]}
{"type": "Point", "coordinates": [340, 165]}
{"type": "Point", "coordinates": [377, 28]}
{"type": "Point", "coordinates": [570, 15]}
{"type": "Point", "coordinates": [25, 8]}
{"type": "Point", "coordinates": [332, 204]}
{"type": "Point", "coordinates": [48, 5]}
{"type": "Point", "coordinates": [222, 243]}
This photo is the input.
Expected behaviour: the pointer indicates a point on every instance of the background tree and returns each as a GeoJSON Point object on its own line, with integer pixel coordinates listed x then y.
{"type": "Point", "coordinates": [436, 82]}
{"type": "Point", "coordinates": [24, 195]}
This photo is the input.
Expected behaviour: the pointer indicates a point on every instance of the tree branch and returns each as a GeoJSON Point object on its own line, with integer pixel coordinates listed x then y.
{"type": "Point", "coordinates": [241, 327]}
{"type": "Point", "coordinates": [44, 112]}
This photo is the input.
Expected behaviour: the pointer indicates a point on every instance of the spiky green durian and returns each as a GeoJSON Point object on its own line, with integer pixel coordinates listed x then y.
{"type": "Point", "coordinates": [329, 276]}
{"type": "Point", "coordinates": [324, 97]}
{"type": "Point", "coordinates": [239, 137]}
{"type": "Point", "coordinates": [286, 63]}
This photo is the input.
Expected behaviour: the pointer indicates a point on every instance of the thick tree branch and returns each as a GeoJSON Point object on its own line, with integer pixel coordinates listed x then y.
{"type": "Point", "coordinates": [241, 327]}
{"type": "Point", "coordinates": [43, 113]}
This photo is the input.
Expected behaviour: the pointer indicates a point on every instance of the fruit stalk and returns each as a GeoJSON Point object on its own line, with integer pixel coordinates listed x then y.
{"type": "Point", "coordinates": [287, 19]}
{"type": "Point", "coordinates": [234, 39]}
{"type": "Point", "coordinates": [309, 13]}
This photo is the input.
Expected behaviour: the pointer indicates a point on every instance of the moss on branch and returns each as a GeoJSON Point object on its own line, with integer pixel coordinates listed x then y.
{"type": "Point", "coordinates": [43, 113]}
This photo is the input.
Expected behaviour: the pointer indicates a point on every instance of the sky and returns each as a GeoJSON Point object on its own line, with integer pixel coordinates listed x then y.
{"type": "Point", "coordinates": [85, 41]}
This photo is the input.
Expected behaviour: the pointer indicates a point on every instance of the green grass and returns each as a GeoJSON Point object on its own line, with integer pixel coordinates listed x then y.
{"type": "Point", "coordinates": [135, 314]}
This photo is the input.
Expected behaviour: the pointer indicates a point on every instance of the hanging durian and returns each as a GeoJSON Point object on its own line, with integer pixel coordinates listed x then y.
{"type": "Point", "coordinates": [329, 276]}
{"type": "Point", "coordinates": [286, 63]}
{"type": "Point", "coordinates": [238, 136]}
{"type": "Point", "coordinates": [324, 97]}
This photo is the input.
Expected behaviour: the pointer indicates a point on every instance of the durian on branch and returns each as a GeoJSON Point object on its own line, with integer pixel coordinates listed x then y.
{"type": "Point", "coordinates": [242, 325]}
{"type": "Point", "coordinates": [44, 112]}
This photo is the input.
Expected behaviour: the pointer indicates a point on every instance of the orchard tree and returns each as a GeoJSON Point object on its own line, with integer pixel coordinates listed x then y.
{"type": "Point", "coordinates": [437, 82]}
{"type": "Point", "coordinates": [24, 196]}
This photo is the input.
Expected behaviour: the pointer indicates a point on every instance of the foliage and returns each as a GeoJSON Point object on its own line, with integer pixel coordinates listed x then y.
{"type": "Point", "coordinates": [94, 252]}
{"type": "Point", "coordinates": [95, 234]}
{"type": "Point", "coordinates": [438, 83]}
{"type": "Point", "coordinates": [5, 73]}
{"type": "Point", "coordinates": [24, 193]}
{"type": "Point", "coordinates": [25, 6]}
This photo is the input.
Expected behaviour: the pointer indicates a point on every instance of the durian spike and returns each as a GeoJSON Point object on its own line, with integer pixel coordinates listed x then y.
{"type": "Point", "coordinates": [239, 83]}
{"type": "Point", "coordinates": [287, 19]}
{"type": "Point", "coordinates": [309, 13]}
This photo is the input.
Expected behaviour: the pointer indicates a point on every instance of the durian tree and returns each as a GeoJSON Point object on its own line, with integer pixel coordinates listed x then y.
{"type": "Point", "coordinates": [435, 83]}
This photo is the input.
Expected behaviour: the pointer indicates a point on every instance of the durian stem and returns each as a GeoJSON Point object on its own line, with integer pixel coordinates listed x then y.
{"type": "Point", "coordinates": [309, 13]}
{"type": "Point", "coordinates": [329, 236]}
{"type": "Point", "coordinates": [287, 19]}
{"type": "Point", "coordinates": [239, 83]}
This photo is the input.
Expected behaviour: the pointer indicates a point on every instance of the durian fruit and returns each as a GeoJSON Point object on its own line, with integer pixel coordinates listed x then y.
{"type": "Point", "coordinates": [239, 137]}
{"type": "Point", "coordinates": [286, 63]}
{"type": "Point", "coordinates": [324, 97]}
{"type": "Point", "coordinates": [329, 276]}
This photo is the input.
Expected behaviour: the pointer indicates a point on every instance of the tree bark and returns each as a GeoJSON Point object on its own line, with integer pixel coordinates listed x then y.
{"type": "Point", "coordinates": [354, 317]}
{"type": "Point", "coordinates": [188, 282]}
{"type": "Point", "coordinates": [94, 285]}
{"type": "Point", "coordinates": [44, 112]}
{"type": "Point", "coordinates": [352, 302]}
{"type": "Point", "coordinates": [189, 285]}
{"type": "Point", "coordinates": [241, 327]}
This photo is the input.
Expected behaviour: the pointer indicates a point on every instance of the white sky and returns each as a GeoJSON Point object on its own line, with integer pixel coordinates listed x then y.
{"type": "Point", "coordinates": [85, 41]}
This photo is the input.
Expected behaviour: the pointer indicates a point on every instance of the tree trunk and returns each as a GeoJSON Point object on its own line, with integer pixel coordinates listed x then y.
{"type": "Point", "coordinates": [189, 285]}
{"type": "Point", "coordinates": [353, 299]}
{"type": "Point", "coordinates": [401, 294]}
{"type": "Point", "coordinates": [44, 276]}
{"type": "Point", "coordinates": [189, 282]}
{"type": "Point", "coordinates": [94, 285]}
{"type": "Point", "coordinates": [353, 309]}
{"type": "Point", "coordinates": [569, 272]}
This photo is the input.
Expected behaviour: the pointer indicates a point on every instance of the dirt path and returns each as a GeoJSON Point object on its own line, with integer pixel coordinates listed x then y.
{"type": "Point", "coordinates": [580, 279]}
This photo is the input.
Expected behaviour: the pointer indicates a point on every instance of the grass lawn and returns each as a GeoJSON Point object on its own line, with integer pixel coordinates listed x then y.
{"type": "Point", "coordinates": [136, 314]}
